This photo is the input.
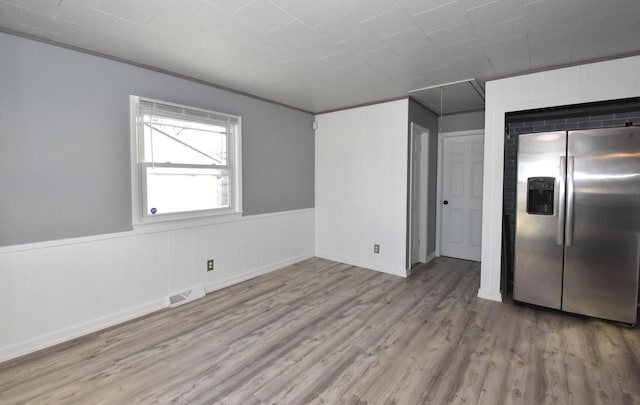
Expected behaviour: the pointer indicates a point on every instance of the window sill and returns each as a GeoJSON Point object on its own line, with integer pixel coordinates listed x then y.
{"type": "Point", "coordinates": [176, 222]}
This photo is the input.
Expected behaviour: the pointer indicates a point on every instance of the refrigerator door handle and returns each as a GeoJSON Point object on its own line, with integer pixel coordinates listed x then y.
{"type": "Point", "coordinates": [569, 228]}
{"type": "Point", "coordinates": [560, 201]}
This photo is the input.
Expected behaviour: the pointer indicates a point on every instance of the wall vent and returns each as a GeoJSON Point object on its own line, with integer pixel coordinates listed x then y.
{"type": "Point", "coordinates": [185, 296]}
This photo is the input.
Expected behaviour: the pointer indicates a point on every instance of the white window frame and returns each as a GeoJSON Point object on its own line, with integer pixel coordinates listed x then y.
{"type": "Point", "coordinates": [138, 176]}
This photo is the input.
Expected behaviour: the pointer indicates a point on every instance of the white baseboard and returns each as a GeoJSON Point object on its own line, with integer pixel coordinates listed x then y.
{"type": "Point", "coordinates": [490, 295]}
{"type": "Point", "coordinates": [229, 281]}
{"type": "Point", "coordinates": [63, 335]}
{"type": "Point", "coordinates": [430, 257]}
{"type": "Point", "coordinates": [400, 272]}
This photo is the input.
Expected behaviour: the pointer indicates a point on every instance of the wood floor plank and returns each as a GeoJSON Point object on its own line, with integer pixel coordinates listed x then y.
{"type": "Point", "coordinates": [327, 333]}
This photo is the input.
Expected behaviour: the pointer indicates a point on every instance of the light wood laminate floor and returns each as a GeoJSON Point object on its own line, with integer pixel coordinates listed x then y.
{"type": "Point", "coordinates": [324, 332]}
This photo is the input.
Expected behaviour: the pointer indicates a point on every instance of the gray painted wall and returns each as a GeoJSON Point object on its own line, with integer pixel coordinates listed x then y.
{"type": "Point", "coordinates": [463, 121]}
{"type": "Point", "coordinates": [64, 142]}
{"type": "Point", "coordinates": [427, 119]}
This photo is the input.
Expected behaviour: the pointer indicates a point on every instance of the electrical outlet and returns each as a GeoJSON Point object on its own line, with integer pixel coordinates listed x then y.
{"type": "Point", "coordinates": [376, 248]}
{"type": "Point", "coordinates": [210, 265]}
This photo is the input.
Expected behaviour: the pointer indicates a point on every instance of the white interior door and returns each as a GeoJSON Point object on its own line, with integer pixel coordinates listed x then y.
{"type": "Point", "coordinates": [461, 202]}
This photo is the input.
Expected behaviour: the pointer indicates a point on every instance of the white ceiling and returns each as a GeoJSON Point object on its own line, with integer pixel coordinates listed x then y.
{"type": "Point", "coordinates": [320, 55]}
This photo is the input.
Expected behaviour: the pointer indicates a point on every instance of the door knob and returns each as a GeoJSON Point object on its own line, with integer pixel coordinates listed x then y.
{"type": "Point", "coordinates": [445, 202]}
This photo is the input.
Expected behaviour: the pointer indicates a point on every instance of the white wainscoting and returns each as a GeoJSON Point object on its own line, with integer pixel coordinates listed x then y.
{"type": "Point", "coordinates": [51, 292]}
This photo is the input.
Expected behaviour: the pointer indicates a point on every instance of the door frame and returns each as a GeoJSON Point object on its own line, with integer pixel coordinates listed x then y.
{"type": "Point", "coordinates": [441, 137]}
{"type": "Point", "coordinates": [424, 195]}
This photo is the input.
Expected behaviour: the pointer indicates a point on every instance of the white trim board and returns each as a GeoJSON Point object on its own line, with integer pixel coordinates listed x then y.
{"type": "Point", "coordinates": [423, 199]}
{"type": "Point", "coordinates": [144, 229]}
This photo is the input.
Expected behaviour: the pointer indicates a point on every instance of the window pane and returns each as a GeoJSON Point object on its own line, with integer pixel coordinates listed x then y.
{"type": "Point", "coordinates": [171, 190]}
{"type": "Point", "coordinates": [172, 140]}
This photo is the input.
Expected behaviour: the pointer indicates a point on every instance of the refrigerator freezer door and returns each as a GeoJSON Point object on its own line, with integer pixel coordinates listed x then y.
{"type": "Point", "coordinates": [539, 230]}
{"type": "Point", "coordinates": [603, 224]}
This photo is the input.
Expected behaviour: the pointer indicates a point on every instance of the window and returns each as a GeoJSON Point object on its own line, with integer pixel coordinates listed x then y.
{"type": "Point", "coordinates": [187, 161]}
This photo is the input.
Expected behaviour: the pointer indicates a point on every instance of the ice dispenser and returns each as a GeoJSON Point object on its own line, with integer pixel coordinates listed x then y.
{"type": "Point", "coordinates": [540, 195]}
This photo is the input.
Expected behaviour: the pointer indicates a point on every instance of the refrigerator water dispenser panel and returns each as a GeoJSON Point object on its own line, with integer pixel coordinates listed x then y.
{"type": "Point", "coordinates": [540, 195]}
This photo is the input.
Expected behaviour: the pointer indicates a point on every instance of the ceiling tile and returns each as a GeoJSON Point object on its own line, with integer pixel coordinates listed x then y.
{"type": "Point", "coordinates": [357, 71]}
{"type": "Point", "coordinates": [423, 59]}
{"type": "Point", "coordinates": [411, 38]}
{"type": "Point", "coordinates": [227, 5]}
{"type": "Point", "coordinates": [600, 29]}
{"type": "Point", "coordinates": [365, 9]}
{"type": "Point", "coordinates": [172, 24]}
{"type": "Point", "coordinates": [211, 40]}
{"type": "Point", "coordinates": [213, 18]}
{"type": "Point", "coordinates": [446, 16]}
{"type": "Point", "coordinates": [598, 8]}
{"type": "Point", "coordinates": [513, 68]}
{"type": "Point", "coordinates": [377, 86]}
{"type": "Point", "coordinates": [314, 12]}
{"type": "Point", "coordinates": [473, 66]}
{"type": "Point", "coordinates": [549, 29]}
{"type": "Point", "coordinates": [409, 80]}
{"type": "Point", "coordinates": [45, 7]}
{"type": "Point", "coordinates": [341, 29]}
{"type": "Point", "coordinates": [549, 58]}
{"type": "Point", "coordinates": [299, 63]}
{"type": "Point", "coordinates": [362, 44]}
{"type": "Point", "coordinates": [294, 33]}
{"type": "Point", "coordinates": [503, 30]}
{"type": "Point", "coordinates": [542, 11]}
{"type": "Point", "coordinates": [471, 4]}
{"type": "Point", "coordinates": [458, 50]}
{"type": "Point", "coordinates": [496, 12]}
{"type": "Point", "coordinates": [611, 49]}
{"type": "Point", "coordinates": [188, 7]}
{"type": "Point", "coordinates": [509, 51]}
{"type": "Point", "coordinates": [281, 3]}
{"type": "Point", "coordinates": [341, 60]}
{"type": "Point", "coordinates": [414, 7]}
{"type": "Point", "coordinates": [65, 31]}
{"type": "Point", "coordinates": [440, 76]}
{"type": "Point", "coordinates": [263, 16]}
{"type": "Point", "coordinates": [323, 47]}
{"type": "Point", "coordinates": [561, 41]}
{"type": "Point", "coordinates": [453, 35]}
{"type": "Point", "coordinates": [397, 68]}
{"type": "Point", "coordinates": [38, 22]}
{"type": "Point", "coordinates": [390, 23]}
{"type": "Point", "coordinates": [132, 10]}
{"type": "Point", "coordinates": [85, 16]}
{"type": "Point", "coordinates": [380, 57]}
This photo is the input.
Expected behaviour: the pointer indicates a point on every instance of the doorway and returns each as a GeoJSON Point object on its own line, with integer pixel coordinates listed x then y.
{"type": "Point", "coordinates": [418, 203]}
{"type": "Point", "coordinates": [459, 209]}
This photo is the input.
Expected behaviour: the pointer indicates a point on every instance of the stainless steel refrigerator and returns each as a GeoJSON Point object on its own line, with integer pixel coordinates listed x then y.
{"type": "Point", "coordinates": [577, 245]}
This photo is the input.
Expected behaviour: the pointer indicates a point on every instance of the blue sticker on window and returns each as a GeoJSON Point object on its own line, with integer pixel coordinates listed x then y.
{"type": "Point", "coordinates": [153, 210]}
